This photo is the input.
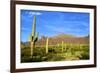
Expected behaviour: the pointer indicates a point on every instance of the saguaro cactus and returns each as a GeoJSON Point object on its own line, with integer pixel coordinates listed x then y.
{"type": "Point", "coordinates": [62, 45]}
{"type": "Point", "coordinates": [47, 42]}
{"type": "Point", "coordinates": [33, 37]}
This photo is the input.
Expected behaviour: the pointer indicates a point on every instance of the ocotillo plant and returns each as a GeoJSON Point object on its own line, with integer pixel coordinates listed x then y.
{"type": "Point", "coordinates": [33, 37]}
{"type": "Point", "coordinates": [47, 42]}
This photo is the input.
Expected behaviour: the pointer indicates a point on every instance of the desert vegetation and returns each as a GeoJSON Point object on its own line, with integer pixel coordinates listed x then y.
{"type": "Point", "coordinates": [53, 50]}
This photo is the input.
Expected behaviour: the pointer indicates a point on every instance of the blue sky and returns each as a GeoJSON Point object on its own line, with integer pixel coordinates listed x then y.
{"type": "Point", "coordinates": [51, 23]}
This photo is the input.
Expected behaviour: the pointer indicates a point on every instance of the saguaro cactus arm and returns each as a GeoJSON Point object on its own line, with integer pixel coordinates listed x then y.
{"type": "Point", "coordinates": [36, 37]}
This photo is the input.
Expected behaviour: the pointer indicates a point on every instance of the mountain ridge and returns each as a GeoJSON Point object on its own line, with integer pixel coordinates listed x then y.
{"type": "Point", "coordinates": [65, 38]}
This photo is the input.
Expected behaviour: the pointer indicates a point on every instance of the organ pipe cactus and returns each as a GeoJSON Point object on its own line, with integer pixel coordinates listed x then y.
{"type": "Point", "coordinates": [33, 37]}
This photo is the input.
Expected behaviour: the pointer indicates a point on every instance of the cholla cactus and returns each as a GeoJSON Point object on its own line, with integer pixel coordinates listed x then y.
{"type": "Point", "coordinates": [33, 37]}
{"type": "Point", "coordinates": [47, 42]}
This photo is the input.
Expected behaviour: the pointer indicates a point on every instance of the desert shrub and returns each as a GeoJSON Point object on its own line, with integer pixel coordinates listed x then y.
{"type": "Point", "coordinates": [84, 55]}
{"type": "Point", "coordinates": [25, 52]}
{"type": "Point", "coordinates": [55, 53]}
{"type": "Point", "coordinates": [55, 57]}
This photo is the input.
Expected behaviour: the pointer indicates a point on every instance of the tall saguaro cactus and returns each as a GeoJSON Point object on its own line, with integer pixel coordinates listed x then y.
{"type": "Point", "coordinates": [62, 45]}
{"type": "Point", "coordinates": [33, 37]}
{"type": "Point", "coordinates": [47, 42]}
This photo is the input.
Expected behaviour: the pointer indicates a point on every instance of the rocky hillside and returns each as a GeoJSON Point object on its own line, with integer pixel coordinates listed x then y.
{"type": "Point", "coordinates": [65, 38]}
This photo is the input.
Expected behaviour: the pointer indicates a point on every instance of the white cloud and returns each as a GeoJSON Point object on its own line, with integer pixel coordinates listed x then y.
{"type": "Point", "coordinates": [25, 29]}
{"type": "Point", "coordinates": [34, 13]}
